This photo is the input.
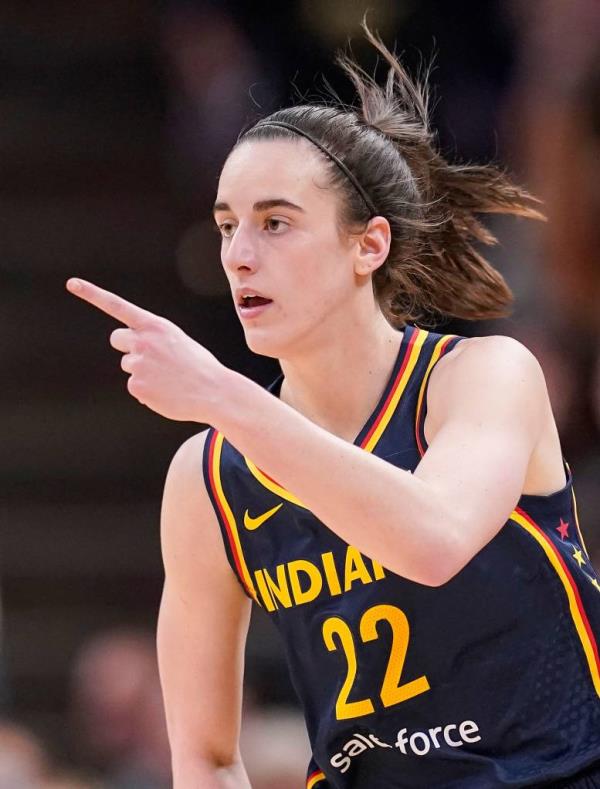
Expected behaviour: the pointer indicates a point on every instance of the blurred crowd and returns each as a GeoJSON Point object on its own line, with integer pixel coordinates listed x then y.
{"type": "Point", "coordinates": [115, 732]}
{"type": "Point", "coordinates": [128, 178]}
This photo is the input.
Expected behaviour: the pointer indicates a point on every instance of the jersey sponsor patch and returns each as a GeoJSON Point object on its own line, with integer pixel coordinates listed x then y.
{"type": "Point", "coordinates": [417, 743]}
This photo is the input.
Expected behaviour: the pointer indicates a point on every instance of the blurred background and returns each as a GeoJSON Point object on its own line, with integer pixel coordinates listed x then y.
{"type": "Point", "coordinates": [115, 118]}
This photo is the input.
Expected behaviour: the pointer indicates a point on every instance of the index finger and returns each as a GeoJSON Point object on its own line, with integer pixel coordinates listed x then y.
{"type": "Point", "coordinates": [113, 305]}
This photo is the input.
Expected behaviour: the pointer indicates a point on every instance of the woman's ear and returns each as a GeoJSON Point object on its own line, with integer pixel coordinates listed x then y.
{"type": "Point", "coordinates": [373, 246]}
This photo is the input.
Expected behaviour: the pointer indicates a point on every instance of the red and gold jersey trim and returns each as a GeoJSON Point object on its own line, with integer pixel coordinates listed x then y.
{"type": "Point", "coordinates": [269, 483]}
{"type": "Point", "coordinates": [381, 421]}
{"type": "Point", "coordinates": [438, 351]}
{"type": "Point", "coordinates": [577, 526]}
{"type": "Point", "coordinates": [402, 378]}
{"type": "Point", "coordinates": [578, 614]}
{"type": "Point", "coordinates": [314, 778]}
{"type": "Point", "coordinates": [226, 514]}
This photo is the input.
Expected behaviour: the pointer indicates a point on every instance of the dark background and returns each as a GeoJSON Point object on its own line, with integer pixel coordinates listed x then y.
{"type": "Point", "coordinates": [115, 118]}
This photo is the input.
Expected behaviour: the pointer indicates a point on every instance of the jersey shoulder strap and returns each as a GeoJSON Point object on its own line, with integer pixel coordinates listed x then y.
{"type": "Point", "coordinates": [219, 468]}
{"type": "Point", "coordinates": [438, 345]}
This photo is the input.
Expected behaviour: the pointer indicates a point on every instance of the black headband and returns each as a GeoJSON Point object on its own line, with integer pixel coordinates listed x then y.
{"type": "Point", "coordinates": [349, 175]}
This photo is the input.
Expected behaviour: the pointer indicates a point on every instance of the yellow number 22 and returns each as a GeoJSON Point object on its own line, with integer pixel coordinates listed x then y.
{"type": "Point", "coordinates": [392, 692]}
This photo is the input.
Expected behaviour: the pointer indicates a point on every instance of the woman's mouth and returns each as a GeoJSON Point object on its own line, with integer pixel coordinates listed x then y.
{"type": "Point", "coordinates": [252, 305]}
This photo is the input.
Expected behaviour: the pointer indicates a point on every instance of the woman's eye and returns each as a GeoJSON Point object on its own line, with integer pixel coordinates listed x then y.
{"type": "Point", "coordinates": [227, 229]}
{"type": "Point", "coordinates": [275, 225]}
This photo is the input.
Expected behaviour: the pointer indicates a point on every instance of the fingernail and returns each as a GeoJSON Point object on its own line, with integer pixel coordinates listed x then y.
{"type": "Point", "coordinates": [74, 285]}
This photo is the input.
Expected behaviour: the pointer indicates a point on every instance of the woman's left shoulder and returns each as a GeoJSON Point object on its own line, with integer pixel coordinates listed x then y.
{"type": "Point", "coordinates": [494, 353]}
{"type": "Point", "coordinates": [481, 364]}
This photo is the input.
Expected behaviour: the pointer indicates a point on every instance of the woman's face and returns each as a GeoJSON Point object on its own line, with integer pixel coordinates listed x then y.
{"type": "Point", "coordinates": [282, 248]}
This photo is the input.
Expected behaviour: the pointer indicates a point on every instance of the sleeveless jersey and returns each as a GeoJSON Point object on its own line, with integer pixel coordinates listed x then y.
{"type": "Point", "coordinates": [490, 680]}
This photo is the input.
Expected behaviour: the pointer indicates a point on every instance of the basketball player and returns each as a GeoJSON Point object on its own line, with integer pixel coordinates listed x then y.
{"type": "Point", "coordinates": [397, 501]}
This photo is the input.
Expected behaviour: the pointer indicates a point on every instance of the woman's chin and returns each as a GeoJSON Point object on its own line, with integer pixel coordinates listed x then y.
{"type": "Point", "coordinates": [283, 341]}
{"type": "Point", "coordinates": [265, 343]}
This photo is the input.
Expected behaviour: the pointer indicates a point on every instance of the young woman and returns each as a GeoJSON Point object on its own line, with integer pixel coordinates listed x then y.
{"type": "Point", "coordinates": [397, 502]}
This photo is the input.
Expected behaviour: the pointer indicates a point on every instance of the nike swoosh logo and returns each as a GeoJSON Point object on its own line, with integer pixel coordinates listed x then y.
{"type": "Point", "coordinates": [253, 523]}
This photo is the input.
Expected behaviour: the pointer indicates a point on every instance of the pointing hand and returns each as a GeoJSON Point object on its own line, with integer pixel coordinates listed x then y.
{"type": "Point", "coordinates": [168, 371]}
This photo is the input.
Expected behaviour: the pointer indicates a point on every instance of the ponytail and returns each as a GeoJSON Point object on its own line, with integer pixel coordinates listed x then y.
{"type": "Point", "coordinates": [386, 143]}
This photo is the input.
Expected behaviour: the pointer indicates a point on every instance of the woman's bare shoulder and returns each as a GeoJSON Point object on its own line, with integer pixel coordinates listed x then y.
{"type": "Point", "coordinates": [494, 370]}
{"type": "Point", "coordinates": [496, 354]}
{"type": "Point", "coordinates": [188, 521]}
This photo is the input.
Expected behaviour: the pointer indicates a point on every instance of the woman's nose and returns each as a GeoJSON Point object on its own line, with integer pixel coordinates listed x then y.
{"type": "Point", "coordinates": [240, 252]}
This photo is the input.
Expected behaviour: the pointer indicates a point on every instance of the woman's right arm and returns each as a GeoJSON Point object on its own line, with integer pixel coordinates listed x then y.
{"type": "Point", "coordinates": [202, 629]}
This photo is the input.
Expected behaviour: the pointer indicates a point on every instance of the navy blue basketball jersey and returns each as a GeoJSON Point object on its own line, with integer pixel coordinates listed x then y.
{"type": "Point", "coordinates": [491, 680]}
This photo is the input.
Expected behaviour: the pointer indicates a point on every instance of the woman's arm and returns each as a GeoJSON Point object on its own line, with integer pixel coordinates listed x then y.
{"type": "Point", "coordinates": [202, 629]}
{"type": "Point", "coordinates": [489, 405]}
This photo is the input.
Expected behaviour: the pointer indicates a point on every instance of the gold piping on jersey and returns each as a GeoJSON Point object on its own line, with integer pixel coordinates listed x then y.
{"type": "Point", "coordinates": [227, 517]}
{"type": "Point", "coordinates": [438, 351]}
{"type": "Point", "coordinates": [314, 779]}
{"type": "Point", "coordinates": [581, 540]}
{"type": "Point", "coordinates": [580, 620]}
{"type": "Point", "coordinates": [389, 407]}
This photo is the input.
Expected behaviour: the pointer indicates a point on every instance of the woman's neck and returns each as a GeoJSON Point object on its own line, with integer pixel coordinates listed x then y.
{"type": "Point", "coordinates": [338, 384]}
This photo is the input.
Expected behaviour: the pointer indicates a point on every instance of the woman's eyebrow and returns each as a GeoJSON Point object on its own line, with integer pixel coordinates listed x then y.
{"type": "Point", "coordinates": [262, 205]}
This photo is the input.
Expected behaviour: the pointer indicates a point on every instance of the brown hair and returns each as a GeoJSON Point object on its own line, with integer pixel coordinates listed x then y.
{"type": "Point", "coordinates": [386, 143]}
